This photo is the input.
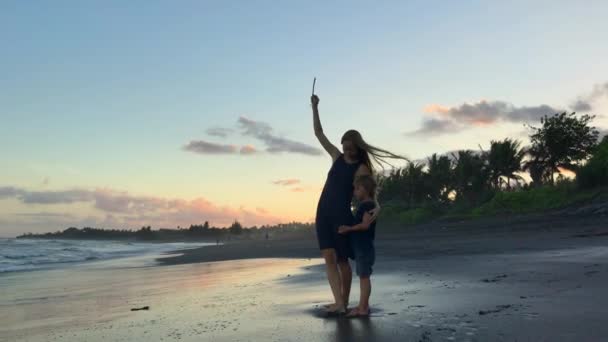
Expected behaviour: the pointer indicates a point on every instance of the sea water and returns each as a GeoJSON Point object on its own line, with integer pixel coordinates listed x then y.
{"type": "Point", "coordinates": [34, 254]}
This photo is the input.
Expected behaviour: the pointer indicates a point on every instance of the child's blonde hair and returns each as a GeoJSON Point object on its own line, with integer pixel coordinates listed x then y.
{"type": "Point", "coordinates": [368, 183]}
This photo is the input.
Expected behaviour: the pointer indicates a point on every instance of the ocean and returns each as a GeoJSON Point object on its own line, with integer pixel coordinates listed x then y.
{"type": "Point", "coordinates": [35, 254]}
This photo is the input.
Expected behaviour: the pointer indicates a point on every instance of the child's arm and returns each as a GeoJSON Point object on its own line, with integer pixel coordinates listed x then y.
{"type": "Point", "coordinates": [370, 216]}
{"type": "Point", "coordinates": [376, 211]}
{"type": "Point", "coordinates": [359, 227]}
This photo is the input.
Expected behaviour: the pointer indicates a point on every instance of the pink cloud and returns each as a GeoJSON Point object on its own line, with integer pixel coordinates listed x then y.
{"type": "Point", "coordinates": [124, 210]}
{"type": "Point", "coordinates": [261, 210]}
{"type": "Point", "coordinates": [475, 114]}
{"type": "Point", "coordinates": [248, 149]}
{"type": "Point", "coordinates": [286, 182]}
{"type": "Point", "coordinates": [436, 108]}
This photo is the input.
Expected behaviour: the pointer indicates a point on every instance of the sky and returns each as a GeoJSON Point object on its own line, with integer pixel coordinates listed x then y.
{"type": "Point", "coordinates": [120, 114]}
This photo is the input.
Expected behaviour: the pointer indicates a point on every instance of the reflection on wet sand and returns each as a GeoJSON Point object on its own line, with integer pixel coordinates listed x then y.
{"type": "Point", "coordinates": [360, 329]}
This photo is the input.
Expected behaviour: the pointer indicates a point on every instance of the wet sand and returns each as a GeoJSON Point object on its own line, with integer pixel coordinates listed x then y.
{"type": "Point", "coordinates": [437, 283]}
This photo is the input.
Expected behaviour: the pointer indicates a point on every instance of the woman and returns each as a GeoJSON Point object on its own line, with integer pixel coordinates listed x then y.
{"type": "Point", "coordinates": [333, 209]}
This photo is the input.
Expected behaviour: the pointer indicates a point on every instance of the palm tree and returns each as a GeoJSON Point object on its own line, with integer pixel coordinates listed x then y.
{"type": "Point", "coordinates": [505, 160]}
{"type": "Point", "coordinates": [471, 176]}
{"type": "Point", "coordinates": [439, 178]}
{"type": "Point", "coordinates": [414, 176]}
{"type": "Point", "coordinates": [404, 186]}
{"type": "Point", "coordinates": [392, 187]}
{"type": "Point", "coordinates": [538, 166]}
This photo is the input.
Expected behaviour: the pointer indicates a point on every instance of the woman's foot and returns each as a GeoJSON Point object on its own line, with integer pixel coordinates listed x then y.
{"type": "Point", "coordinates": [335, 309]}
{"type": "Point", "coordinates": [358, 312]}
{"type": "Point", "coordinates": [327, 306]}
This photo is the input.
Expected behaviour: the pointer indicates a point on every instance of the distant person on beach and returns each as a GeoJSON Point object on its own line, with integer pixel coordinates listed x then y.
{"type": "Point", "coordinates": [362, 235]}
{"type": "Point", "coordinates": [334, 206]}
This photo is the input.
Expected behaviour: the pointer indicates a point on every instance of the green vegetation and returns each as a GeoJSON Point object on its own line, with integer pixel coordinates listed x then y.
{"type": "Point", "coordinates": [595, 172]}
{"type": "Point", "coordinates": [471, 184]}
{"type": "Point", "coordinates": [534, 200]}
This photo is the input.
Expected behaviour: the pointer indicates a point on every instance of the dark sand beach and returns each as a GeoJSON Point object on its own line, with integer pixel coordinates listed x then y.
{"type": "Point", "coordinates": [539, 278]}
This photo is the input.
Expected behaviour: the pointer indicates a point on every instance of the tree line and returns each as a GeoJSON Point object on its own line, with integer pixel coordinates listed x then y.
{"type": "Point", "coordinates": [199, 232]}
{"type": "Point", "coordinates": [562, 143]}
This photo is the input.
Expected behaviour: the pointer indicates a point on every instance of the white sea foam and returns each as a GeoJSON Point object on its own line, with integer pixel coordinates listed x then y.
{"type": "Point", "coordinates": [33, 254]}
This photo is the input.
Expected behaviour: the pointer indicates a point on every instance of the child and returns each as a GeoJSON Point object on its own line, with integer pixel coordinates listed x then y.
{"type": "Point", "coordinates": [362, 240]}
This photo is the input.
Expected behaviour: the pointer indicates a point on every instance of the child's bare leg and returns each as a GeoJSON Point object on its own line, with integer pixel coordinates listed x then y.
{"type": "Point", "coordinates": [346, 274]}
{"type": "Point", "coordinates": [366, 290]}
{"type": "Point", "coordinates": [333, 276]}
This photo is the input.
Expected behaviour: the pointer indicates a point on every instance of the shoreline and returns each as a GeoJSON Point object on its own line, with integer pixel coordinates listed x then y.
{"type": "Point", "coordinates": [464, 237]}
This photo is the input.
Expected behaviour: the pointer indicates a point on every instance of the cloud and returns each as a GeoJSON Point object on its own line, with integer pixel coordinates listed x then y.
{"type": "Point", "coordinates": [435, 127]}
{"type": "Point", "coordinates": [525, 114]}
{"type": "Point", "coordinates": [286, 182]}
{"type": "Point", "coordinates": [185, 212]}
{"type": "Point", "coordinates": [482, 113]}
{"type": "Point", "coordinates": [9, 192]}
{"type": "Point", "coordinates": [435, 108]}
{"type": "Point", "coordinates": [274, 144]}
{"type": "Point", "coordinates": [122, 202]}
{"type": "Point", "coordinates": [261, 210]}
{"type": "Point", "coordinates": [219, 132]}
{"type": "Point", "coordinates": [248, 149]}
{"type": "Point", "coordinates": [585, 103]}
{"type": "Point", "coordinates": [290, 184]}
{"type": "Point", "coordinates": [103, 199]}
{"type": "Point", "coordinates": [55, 197]}
{"type": "Point", "coordinates": [580, 106]}
{"type": "Point", "coordinates": [256, 129]}
{"type": "Point", "coordinates": [121, 209]}
{"type": "Point", "coordinates": [204, 147]}
{"type": "Point", "coordinates": [44, 214]}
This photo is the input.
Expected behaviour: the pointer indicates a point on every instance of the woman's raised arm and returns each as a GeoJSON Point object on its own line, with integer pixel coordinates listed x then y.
{"type": "Point", "coordinates": [327, 145]}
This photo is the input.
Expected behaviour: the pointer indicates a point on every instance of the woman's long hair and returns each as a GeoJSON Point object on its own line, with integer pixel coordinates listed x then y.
{"type": "Point", "coordinates": [366, 150]}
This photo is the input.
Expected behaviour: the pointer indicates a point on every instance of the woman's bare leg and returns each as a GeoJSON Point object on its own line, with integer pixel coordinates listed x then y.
{"type": "Point", "coordinates": [346, 275]}
{"type": "Point", "coordinates": [333, 277]}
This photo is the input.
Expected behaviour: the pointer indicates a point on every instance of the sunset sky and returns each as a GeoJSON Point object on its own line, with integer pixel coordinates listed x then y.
{"type": "Point", "coordinates": [118, 114]}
